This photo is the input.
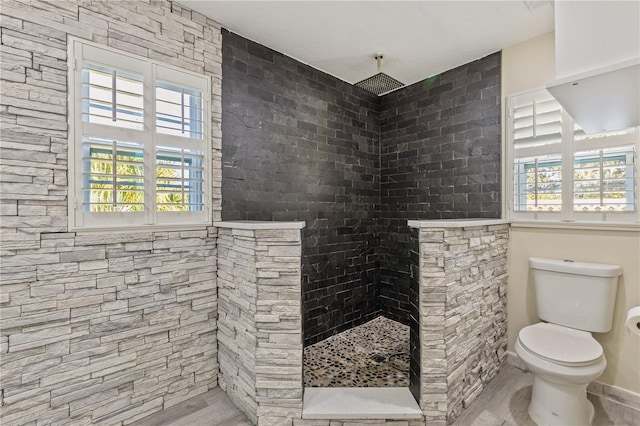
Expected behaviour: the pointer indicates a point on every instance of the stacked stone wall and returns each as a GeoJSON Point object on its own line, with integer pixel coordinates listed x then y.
{"type": "Point", "coordinates": [463, 281]}
{"type": "Point", "coordinates": [237, 308]}
{"type": "Point", "coordinates": [260, 322]}
{"type": "Point", "coordinates": [97, 328]}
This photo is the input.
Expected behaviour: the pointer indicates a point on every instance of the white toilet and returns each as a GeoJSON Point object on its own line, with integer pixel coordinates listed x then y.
{"type": "Point", "coordinates": [575, 299]}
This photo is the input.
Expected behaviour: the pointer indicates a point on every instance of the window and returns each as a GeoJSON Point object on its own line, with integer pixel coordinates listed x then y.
{"type": "Point", "coordinates": [139, 146]}
{"type": "Point", "coordinates": [560, 173]}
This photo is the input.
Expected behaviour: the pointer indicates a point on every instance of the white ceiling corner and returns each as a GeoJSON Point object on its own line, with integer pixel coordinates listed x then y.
{"type": "Point", "coordinates": [417, 38]}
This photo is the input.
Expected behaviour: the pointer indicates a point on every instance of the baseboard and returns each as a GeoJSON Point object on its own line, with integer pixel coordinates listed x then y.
{"type": "Point", "coordinates": [603, 390]}
{"type": "Point", "coordinates": [614, 393]}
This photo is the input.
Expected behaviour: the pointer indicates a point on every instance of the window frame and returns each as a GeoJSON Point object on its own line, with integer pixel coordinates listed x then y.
{"type": "Point", "coordinates": [567, 149]}
{"type": "Point", "coordinates": [152, 71]}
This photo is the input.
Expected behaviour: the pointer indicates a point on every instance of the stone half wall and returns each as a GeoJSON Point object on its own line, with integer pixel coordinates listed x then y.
{"type": "Point", "coordinates": [260, 321]}
{"type": "Point", "coordinates": [463, 325]}
{"type": "Point", "coordinates": [97, 328]}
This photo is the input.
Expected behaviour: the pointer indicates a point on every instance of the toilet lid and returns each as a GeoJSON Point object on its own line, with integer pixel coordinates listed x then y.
{"type": "Point", "coordinates": [561, 344]}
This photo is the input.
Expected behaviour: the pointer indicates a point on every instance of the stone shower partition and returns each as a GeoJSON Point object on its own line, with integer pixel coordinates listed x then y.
{"type": "Point", "coordinates": [259, 318]}
{"type": "Point", "coordinates": [460, 274]}
{"type": "Point", "coordinates": [459, 321]}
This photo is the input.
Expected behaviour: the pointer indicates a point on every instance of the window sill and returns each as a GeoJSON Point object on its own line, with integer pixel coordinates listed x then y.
{"type": "Point", "coordinates": [592, 226]}
{"type": "Point", "coordinates": [139, 229]}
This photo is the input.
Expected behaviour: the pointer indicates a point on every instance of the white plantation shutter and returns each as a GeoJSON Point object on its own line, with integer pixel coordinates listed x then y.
{"type": "Point", "coordinates": [605, 180]}
{"type": "Point", "coordinates": [112, 97]}
{"type": "Point", "coordinates": [179, 155]}
{"type": "Point", "coordinates": [140, 142]}
{"type": "Point", "coordinates": [560, 173]}
{"type": "Point", "coordinates": [538, 184]}
{"type": "Point", "coordinates": [112, 175]}
{"type": "Point", "coordinates": [605, 174]}
{"type": "Point", "coordinates": [180, 179]}
{"type": "Point", "coordinates": [536, 120]}
{"type": "Point", "coordinates": [179, 111]}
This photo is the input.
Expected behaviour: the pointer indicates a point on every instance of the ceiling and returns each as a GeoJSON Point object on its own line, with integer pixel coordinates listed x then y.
{"type": "Point", "coordinates": [417, 39]}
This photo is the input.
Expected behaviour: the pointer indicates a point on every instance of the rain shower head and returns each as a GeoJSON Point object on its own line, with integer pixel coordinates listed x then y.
{"type": "Point", "coordinates": [381, 82]}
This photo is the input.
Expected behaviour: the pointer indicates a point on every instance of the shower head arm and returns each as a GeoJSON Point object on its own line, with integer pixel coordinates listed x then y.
{"type": "Point", "coordinates": [378, 58]}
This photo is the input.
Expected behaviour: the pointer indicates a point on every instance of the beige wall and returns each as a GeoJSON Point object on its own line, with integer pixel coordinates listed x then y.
{"type": "Point", "coordinates": [622, 349]}
{"type": "Point", "coordinates": [529, 66]}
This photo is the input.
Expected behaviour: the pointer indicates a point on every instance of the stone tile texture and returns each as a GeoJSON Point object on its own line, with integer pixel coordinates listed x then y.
{"type": "Point", "coordinates": [463, 322]}
{"type": "Point", "coordinates": [260, 322]}
{"type": "Point", "coordinates": [109, 328]}
{"type": "Point", "coordinates": [374, 354]}
{"type": "Point", "coordinates": [97, 328]}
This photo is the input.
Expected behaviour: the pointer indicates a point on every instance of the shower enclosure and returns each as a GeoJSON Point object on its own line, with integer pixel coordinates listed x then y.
{"type": "Point", "coordinates": [459, 268]}
{"type": "Point", "coordinates": [299, 145]}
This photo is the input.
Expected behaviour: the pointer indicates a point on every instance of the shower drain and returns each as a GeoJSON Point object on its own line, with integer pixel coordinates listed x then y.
{"type": "Point", "coordinates": [378, 358]}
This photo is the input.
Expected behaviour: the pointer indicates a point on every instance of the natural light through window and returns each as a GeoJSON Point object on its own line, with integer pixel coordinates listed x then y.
{"type": "Point", "coordinates": [560, 173]}
{"type": "Point", "coordinates": [140, 141]}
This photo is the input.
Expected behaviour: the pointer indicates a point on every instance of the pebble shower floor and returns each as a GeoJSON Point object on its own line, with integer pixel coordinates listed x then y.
{"type": "Point", "coordinates": [373, 354]}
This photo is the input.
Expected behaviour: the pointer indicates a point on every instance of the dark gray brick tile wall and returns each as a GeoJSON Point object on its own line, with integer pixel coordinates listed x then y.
{"type": "Point", "coordinates": [440, 159]}
{"type": "Point", "coordinates": [298, 144]}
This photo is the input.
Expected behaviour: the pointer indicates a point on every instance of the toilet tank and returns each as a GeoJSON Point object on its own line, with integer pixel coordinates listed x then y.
{"type": "Point", "coordinates": [579, 295]}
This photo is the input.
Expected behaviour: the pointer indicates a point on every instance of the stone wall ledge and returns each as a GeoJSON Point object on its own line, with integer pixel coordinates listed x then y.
{"type": "Point", "coordinates": [258, 224]}
{"type": "Point", "coordinates": [455, 223]}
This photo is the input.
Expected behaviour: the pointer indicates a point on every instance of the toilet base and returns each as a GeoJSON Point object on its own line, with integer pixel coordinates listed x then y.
{"type": "Point", "coordinates": [559, 404]}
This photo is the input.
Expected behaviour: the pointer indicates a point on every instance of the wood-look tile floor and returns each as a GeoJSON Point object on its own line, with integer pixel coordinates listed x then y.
{"type": "Point", "coordinates": [213, 408]}
{"type": "Point", "coordinates": [504, 402]}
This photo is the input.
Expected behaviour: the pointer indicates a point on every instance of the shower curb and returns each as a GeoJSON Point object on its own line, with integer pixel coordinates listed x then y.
{"type": "Point", "coordinates": [365, 403]}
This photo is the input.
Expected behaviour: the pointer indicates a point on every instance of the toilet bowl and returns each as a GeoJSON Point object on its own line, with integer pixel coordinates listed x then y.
{"type": "Point", "coordinates": [563, 361]}
{"type": "Point", "coordinates": [573, 299]}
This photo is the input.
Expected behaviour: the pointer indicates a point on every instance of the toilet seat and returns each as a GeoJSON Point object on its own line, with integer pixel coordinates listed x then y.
{"type": "Point", "coordinates": [560, 345]}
